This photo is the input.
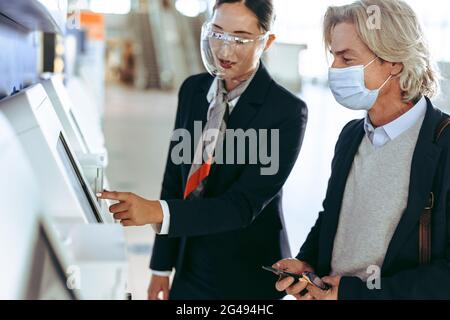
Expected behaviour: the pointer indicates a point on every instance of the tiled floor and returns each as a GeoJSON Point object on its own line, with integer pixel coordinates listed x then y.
{"type": "Point", "coordinates": [138, 125]}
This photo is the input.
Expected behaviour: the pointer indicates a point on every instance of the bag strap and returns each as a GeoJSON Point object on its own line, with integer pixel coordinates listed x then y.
{"type": "Point", "coordinates": [441, 129]}
{"type": "Point", "coordinates": [425, 218]}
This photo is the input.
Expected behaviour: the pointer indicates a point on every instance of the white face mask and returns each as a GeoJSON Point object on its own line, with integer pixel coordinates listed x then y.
{"type": "Point", "coordinates": [349, 89]}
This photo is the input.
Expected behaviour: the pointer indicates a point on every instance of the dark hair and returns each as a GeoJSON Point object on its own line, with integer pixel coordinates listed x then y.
{"type": "Point", "coordinates": [263, 9]}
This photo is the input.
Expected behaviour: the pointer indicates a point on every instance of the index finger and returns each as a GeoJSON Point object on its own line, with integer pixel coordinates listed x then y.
{"type": "Point", "coordinates": [113, 195]}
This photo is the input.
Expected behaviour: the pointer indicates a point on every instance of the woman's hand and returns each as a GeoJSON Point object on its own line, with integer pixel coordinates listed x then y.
{"type": "Point", "coordinates": [158, 284]}
{"type": "Point", "coordinates": [287, 283]}
{"type": "Point", "coordinates": [133, 210]}
{"type": "Point", "coordinates": [330, 294]}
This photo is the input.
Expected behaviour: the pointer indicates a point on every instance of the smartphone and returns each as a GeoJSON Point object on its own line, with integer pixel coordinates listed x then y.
{"type": "Point", "coordinates": [283, 273]}
{"type": "Point", "coordinates": [313, 279]}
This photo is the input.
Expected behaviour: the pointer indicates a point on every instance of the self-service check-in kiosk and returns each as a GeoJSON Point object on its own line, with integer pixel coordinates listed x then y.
{"type": "Point", "coordinates": [47, 261]}
{"type": "Point", "coordinates": [65, 191]}
{"type": "Point", "coordinates": [92, 159]}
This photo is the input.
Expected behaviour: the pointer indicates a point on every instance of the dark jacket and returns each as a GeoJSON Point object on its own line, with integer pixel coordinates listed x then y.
{"type": "Point", "coordinates": [402, 277]}
{"type": "Point", "coordinates": [225, 238]}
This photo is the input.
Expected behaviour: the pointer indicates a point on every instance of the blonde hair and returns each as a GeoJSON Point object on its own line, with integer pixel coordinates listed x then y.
{"type": "Point", "coordinates": [395, 37]}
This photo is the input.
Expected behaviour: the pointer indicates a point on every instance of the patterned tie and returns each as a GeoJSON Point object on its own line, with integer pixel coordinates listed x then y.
{"type": "Point", "coordinates": [213, 135]}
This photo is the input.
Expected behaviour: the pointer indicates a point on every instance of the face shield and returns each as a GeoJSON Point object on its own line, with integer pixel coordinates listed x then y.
{"type": "Point", "coordinates": [228, 56]}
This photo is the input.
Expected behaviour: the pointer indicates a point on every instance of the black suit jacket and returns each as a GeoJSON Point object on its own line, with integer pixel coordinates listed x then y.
{"type": "Point", "coordinates": [401, 275]}
{"type": "Point", "coordinates": [238, 226]}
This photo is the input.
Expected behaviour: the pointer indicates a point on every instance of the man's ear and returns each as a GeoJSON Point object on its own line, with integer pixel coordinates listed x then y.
{"type": "Point", "coordinates": [397, 68]}
{"type": "Point", "coordinates": [270, 41]}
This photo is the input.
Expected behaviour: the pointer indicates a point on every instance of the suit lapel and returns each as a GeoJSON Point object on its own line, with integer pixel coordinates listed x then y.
{"type": "Point", "coordinates": [243, 113]}
{"type": "Point", "coordinates": [249, 104]}
{"type": "Point", "coordinates": [423, 168]}
{"type": "Point", "coordinates": [200, 102]}
{"type": "Point", "coordinates": [251, 100]}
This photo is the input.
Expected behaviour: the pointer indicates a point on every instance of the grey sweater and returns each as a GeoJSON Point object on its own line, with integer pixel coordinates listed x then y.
{"type": "Point", "coordinates": [375, 198]}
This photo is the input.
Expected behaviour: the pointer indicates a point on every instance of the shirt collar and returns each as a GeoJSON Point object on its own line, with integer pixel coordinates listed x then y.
{"type": "Point", "coordinates": [213, 92]}
{"type": "Point", "coordinates": [214, 87]}
{"type": "Point", "coordinates": [400, 125]}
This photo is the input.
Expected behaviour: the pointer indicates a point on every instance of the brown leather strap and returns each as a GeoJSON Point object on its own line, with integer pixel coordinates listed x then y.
{"type": "Point", "coordinates": [425, 233]}
{"type": "Point", "coordinates": [441, 128]}
{"type": "Point", "coordinates": [425, 219]}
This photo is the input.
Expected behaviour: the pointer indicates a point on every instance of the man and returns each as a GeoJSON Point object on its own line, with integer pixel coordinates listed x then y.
{"type": "Point", "coordinates": [388, 171]}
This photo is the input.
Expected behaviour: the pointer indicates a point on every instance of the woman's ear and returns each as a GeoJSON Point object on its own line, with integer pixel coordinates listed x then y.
{"type": "Point", "coordinates": [270, 41]}
{"type": "Point", "coordinates": [396, 69]}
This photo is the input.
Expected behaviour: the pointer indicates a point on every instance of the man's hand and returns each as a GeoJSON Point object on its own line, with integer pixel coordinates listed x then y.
{"type": "Point", "coordinates": [158, 284]}
{"type": "Point", "coordinates": [287, 283]}
{"type": "Point", "coordinates": [330, 294]}
{"type": "Point", "coordinates": [133, 210]}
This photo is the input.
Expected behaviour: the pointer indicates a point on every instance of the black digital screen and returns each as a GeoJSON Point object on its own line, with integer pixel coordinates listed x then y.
{"type": "Point", "coordinates": [77, 181]}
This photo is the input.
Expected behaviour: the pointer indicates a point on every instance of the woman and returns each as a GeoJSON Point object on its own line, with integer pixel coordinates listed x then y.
{"type": "Point", "coordinates": [220, 223]}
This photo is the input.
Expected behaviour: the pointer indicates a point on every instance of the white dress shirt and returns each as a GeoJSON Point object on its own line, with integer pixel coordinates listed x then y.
{"type": "Point", "coordinates": [382, 135]}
